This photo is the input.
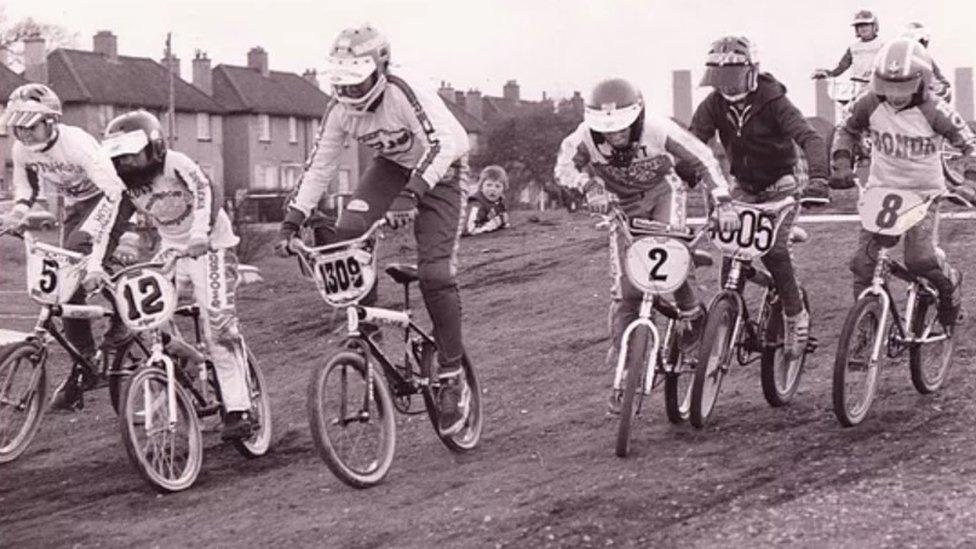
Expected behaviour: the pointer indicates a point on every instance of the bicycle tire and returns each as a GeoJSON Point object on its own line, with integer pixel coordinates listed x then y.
{"type": "Point", "coordinates": [33, 399]}
{"type": "Point", "coordinates": [867, 308]}
{"type": "Point", "coordinates": [635, 365]}
{"type": "Point", "coordinates": [773, 356]}
{"type": "Point", "coordinates": [713, 360]}
{"type": "Point", "coordinates": [327, 448]}
{"type": "Point", "coordinates": [468, 437]}
{"type": "Point", "coordinates": [259, 442]}
{"type": "Point", "coordinates": [677, 384]}
{"type": "Point", "coordinates": [923, 382]}
{"type": "Point", "coordinates": [119, 373]}
{"type": "Point", "coordinates": [132, 423]}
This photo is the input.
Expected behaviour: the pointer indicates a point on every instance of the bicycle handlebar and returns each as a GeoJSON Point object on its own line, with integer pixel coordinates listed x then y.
{"type": "Point", "coordinates": [297, 245]}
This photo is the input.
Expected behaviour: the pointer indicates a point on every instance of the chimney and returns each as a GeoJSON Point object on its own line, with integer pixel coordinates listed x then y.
{"type": "Point", "coordinates": [202, 75]}
{"type": "Point", "coordinates": [311, 76]}
{"type": "Point", "coordinates": [35, 59]}
{"type": "Point", "coordinates": [459, 97]}
{"type": "Point", "coordinates": [105, 43]}
{"type": "Point", "coordinates": [511, 90]}
{"type": "Point", "coordinates": [824, 104]}
{"type": "Point", "coordinates": [172, 63]}
{"type": "Point", "coordinates": [257, 59]}
{"type": "Point", "coordinates": [681, 96]}
{"type": "Point", "coordinates": [964, 92]}
{"type": "Point", "coordinates": [446, 91]}
{"type": "Point", "coordinates": [473, 104]}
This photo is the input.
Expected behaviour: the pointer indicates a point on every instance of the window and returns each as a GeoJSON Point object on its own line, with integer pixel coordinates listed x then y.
{"type": "Point", "coordinates": [264, 127]}
{"type": "Point", "coordinates": [203, 126]}
{"type": "Point", "coordinates": [265, 177]}
{"type": "Point", "coordinates": [292, 130]}
{"type": "Point", "coordinates": [290, 173]}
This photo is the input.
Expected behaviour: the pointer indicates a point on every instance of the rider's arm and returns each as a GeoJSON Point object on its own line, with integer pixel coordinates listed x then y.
{"type": "Point", "coordinates": [849, 133]}
{"type": "Point", "coordinates": [703, 121]}
{"type": "Point", "coordinates": [845, 63]}
{"type": "Point", "coordinates": [948, 123]}
{"type": "Point", "coordinates": [201, 189]}
{"type": "Point", "coordinates": [689, 150]}
{"type": "Point", "coordinates": [99, 168]}
{"type": "Point", "coordinates": [322, 168]}
{"type": "Point", "coordinates": [792, 122]}
{"type": "Point", "coordinates": [26, 185]}
{"type": "Point", "coordinates": [941, 85]}
{"type": "Point", "coordinates": [571, 158]}
{"type": "Point", "coordinates": [441, 135]}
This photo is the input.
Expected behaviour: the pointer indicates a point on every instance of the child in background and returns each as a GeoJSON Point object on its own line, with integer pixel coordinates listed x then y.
{"type": "Point", "coordinates": [486, 208]}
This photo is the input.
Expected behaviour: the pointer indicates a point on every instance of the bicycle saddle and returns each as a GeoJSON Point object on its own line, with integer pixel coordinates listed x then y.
{"type": "Point", "coordinates": [402, 273]}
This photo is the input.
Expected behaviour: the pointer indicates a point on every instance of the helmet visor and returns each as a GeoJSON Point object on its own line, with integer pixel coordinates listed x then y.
{"type": "Point", "coordinates": [729, 79]}
{"type": "Point", "coordinates": [895, 88]}
{"type": "Point", "coordinates": [611, 119]}
{"type": "Point", "coordinates": [348, 71]}
{"type": "Point", "coordinates": [121, 144]}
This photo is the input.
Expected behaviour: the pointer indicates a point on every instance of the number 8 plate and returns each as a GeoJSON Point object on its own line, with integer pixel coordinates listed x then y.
{"type": "Point", "coordinates": [890, 211]}
{"type": "Point", "coordinates": [657, 265]}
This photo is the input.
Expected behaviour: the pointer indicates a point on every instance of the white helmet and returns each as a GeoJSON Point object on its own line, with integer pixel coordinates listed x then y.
{"type": "Point", "coordinates": [28, 105]}
{"type": "Point", "coordinates": [356, 66]}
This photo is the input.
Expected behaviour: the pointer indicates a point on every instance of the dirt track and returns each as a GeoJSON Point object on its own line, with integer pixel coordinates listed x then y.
{"type": "Point", "coordinates": [535, 300]}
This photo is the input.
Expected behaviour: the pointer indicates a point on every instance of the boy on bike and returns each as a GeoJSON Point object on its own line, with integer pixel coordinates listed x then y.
{"type": "Point", "coordinates": [621, 150]}
{"type": "Point", "coordinates": [415, 177]}
{"type": "Point", "coordinates": [757, 125]}
{"type": "Point", "coordinates": [860, 54]}
{"type": "Point", "coordinates": [176, 197]}
{"type": "Point", "coordinates": [908, 126]}
{"type": "Point", "coordinates": [70, 162]}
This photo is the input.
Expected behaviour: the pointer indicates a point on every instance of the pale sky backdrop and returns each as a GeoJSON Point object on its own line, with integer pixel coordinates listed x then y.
{"type": "Point", "coordinates": [555, 46]}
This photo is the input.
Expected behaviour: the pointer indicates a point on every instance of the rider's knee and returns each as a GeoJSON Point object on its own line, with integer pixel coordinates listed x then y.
{"type": "Point", "coordinates": [921, 261]}
{"type": "Point", "coordinates": [437, 275]}
{"type": "Point", "coordinates": [354, 220]}
{"type": "Point", "coordinates": [224, 329]}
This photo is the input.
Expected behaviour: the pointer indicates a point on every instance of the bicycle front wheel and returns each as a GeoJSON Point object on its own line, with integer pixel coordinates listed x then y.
{"type": "Point", "coordinates": [780, 376]}
{"type": "Point", "coordinates": [635, 365]}
{"type": "Point", "coordinates": [929, 362]}
{"type": "Point", "coordinates": [260, 441]}
{"type": "Point", "coordinates": [713, 360]}
{"type": "Point", "coordinates": [353, 427]}
{"type": "Point", "coordinates": [23, 391]}
{"type": "Point", "coordinates": [855, 373]}
{"type": "Point", "coordinates": [163, 440]}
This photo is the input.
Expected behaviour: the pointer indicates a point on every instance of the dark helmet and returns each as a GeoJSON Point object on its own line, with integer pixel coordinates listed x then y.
{"type": "Point", "coordinates": [614, 105]}
{"type": "Point", "coordinates": [134, 141]}
{"type": "Point", "coordinates": [732, 67]}
{"type": "Point", "coordinates": [865, 17]}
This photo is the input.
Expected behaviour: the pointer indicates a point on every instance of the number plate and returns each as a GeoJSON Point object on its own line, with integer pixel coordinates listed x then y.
{"type": "Point", "coordinates": [53, 274]}
{"type": "Point", "coordinates": [753, 239]}
{"type": "Point", "coordinates": [146, 299]}
{"type": "Point", "coordinates": [891, 211]}
{"type": "Point", "coordinates": [345, 277]}
{"type": "Point", "coordinates": [657, 265]}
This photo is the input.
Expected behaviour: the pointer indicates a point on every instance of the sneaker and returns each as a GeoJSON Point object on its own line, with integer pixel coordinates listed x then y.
{"type": "Point", "coordinates": [452, 405]}
{"type": "Point", "coordinates": [950, 308]}
{"type": "Point", "coordinates": [69, 396]}
{"type": "Point", "coordinates": [694, 325]}
{"type": "Point", "coordinates": [238, 425]}
{"type": "Point", "coordinates": [797, 334]}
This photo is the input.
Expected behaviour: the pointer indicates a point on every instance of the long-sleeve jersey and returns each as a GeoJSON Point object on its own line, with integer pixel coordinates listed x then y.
{"type": "Point", "coordinates": [409, 124]}
{"type": "Point", "coordinates": [484, 215]}
{"type": "Point", "coordinates": [74, 166]}
{"type": "Point", "coordinates": [179, 203]}
{"type": "Point", "coordinates": [662, 144]}
{"type": "Point", "coordinates": [906, 144]}
{"type": "Point", "coordinates": [859, 57]}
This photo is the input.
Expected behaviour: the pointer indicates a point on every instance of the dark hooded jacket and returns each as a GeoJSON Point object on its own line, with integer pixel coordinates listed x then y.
{"type": "Point", "coordinates": [759, 138]}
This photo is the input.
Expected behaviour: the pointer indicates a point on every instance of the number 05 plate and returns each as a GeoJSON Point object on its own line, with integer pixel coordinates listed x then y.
{"type": "Point", "coordinates": [657, 265]}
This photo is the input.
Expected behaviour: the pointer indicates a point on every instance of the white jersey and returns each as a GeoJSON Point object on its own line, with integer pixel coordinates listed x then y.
{"type": "Point", "coordinates": [862, 58]}
{"type": "Point", "coordinates": [180, 205]}
{"type": "Point", "coordinates": [409, 124]}
{"type": "Point", "coordinates": [74, 166]}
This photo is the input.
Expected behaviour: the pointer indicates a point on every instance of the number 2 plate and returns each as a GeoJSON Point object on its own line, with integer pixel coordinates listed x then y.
{"type": "Point", "coordinates": [657, 265]}
{"type": "Point", "coordinates": [891, 211]}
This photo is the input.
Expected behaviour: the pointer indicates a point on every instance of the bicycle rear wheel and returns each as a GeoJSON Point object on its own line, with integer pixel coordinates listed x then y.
{"type": "Point", "coordinates": [713, 360]}
{"type": "Point", "coordinates": [260, 441]}
{"type": "Point", "coordinates": [125, 361]}
{"type": "Point", "coordinates": [677, 383]}
{"type": "Point", "coordinates": [353, 428]}
{"type": "Point", "coordinates": [636, 365]}
{"type": "Point", "coordinates": [167, 455]}
{"type": "Point", "coordinates": [780, 377]}
{"type": "Point", "coordinates": [929, 362]}
{"type": "Point", "coordinates": [23, 393]}
{"type": "Point", "coordinates": [855, 374]}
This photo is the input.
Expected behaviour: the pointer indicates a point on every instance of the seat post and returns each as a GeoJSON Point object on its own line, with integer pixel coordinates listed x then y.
{"type": "Point", "coordinates": [406, 296]}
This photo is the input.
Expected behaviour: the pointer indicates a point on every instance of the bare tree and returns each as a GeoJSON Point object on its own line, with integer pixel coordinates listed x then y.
{"type": "Point", "coordinates": [12, 35]}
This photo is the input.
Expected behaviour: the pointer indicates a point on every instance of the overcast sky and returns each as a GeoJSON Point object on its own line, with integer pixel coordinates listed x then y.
{"type": "Point", "coordinates": [555, 46]}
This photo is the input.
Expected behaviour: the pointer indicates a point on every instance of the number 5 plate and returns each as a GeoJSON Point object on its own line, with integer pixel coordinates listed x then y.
{"type": "Point", "coordinates": [891, 211]}
{"type": "Point", "coordinates": [657, 265]}
{"type": "Point", "coordinates": [53, 273]}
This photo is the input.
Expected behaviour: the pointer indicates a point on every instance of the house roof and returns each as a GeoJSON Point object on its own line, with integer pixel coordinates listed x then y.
{"type": "Point", "coordinates": [89, 77]}
{"type": "Point", "coordinates": [9, 81]}
{"type": "Point", "coordinates": [508, 108]}
{"type": "Point", "coordinates": [243, 89]}
{"type": "Point", "coordinates": [467, 120]}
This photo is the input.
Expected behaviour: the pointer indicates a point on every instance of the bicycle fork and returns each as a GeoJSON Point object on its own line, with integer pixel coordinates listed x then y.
{"type": "Point", "coordinates": [643, 319]}
{"type": "Point", "coordinates": [149, 403]}
{"type": "Point", "coordinates": [877, 288]}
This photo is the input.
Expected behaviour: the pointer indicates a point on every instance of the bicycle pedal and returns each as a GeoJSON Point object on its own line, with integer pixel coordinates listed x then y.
{"type": "Point", "coordinates": [812, 344]}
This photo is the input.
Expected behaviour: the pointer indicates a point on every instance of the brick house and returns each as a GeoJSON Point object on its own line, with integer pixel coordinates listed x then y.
{"type": "Point", "coordinates": [271, 122]}
{"type": "Point", "coordinates": [95, 86]}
